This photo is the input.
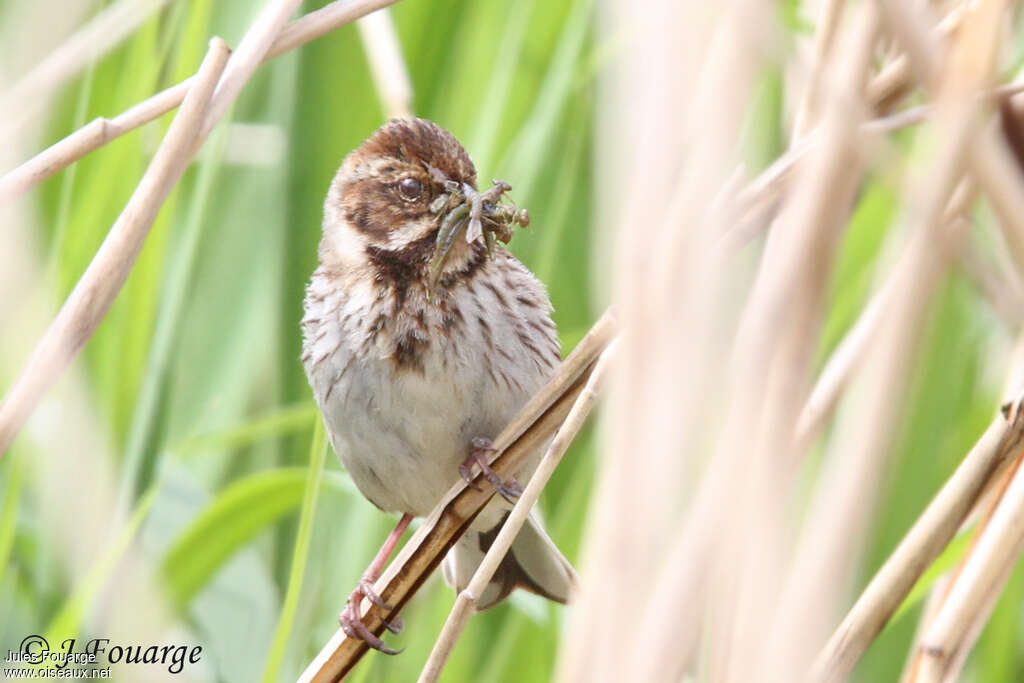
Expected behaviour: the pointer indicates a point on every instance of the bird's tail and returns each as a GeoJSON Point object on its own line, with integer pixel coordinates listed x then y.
{"type": "Point", "coordinates": [533, 563]}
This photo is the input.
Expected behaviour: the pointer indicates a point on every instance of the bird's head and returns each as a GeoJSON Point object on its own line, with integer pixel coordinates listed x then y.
{"type": "Point", "coordinates": [405, 200]}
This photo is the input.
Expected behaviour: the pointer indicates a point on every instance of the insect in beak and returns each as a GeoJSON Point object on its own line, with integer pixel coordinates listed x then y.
{"type": "Point", "coordinates": [475, 215]}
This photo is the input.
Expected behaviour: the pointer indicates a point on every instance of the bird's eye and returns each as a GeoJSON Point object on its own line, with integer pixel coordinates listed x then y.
{"type": "Point", "coordinates": [410, 188]}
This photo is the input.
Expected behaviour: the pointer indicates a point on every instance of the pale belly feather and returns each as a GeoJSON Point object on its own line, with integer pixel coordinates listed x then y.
{"type": "Point", "coordinates": [402, 432]}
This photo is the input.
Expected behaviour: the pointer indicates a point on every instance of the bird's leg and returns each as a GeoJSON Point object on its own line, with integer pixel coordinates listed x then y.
{"type": "Point", "coordinates": [510, 490]}
{"type": "Point", "coordinates": [350, 618]}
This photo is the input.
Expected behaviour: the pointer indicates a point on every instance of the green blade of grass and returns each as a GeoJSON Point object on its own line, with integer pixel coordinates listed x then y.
{"type": "Point", "coordinates": [141, 455]}
{"type": "Point", "coordinates": [67, 181]}
{"type": "Point", "coordinates": [537, 133]}
{"type": "Point", "coordinates": [9, 510]}
{"type": "Point", "coordinates": [300, 555]}
{"type": "Point", "coordinates": [282, 422]}
{"type": "Point", "coordinates": [235, 516]}
{"type": "Point", "coordinates": [484, 138]}
{"type": "Point", "coordinates": [68, 620]}
{"type": "Point", "coordinates": [559, 216]}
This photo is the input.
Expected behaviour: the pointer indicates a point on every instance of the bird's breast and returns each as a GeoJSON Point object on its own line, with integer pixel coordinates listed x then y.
{"type": "Point", "coordinates": [405, 388]}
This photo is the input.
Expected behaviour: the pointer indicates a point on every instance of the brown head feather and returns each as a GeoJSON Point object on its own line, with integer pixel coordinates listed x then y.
{"type": "Point", "coordinates": [366, 190]}
{"type": "Point", "coordinates": [419, 141]}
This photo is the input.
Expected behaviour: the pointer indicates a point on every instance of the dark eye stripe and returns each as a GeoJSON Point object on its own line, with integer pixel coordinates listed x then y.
{"type": "Point", "coordinates": [375, 206]}
{"type": "Point", "coordinates": [359, 218]}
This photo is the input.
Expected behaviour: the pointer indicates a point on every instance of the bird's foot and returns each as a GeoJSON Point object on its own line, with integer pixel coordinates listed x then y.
{"type": "Point", "coordinates": [351, 619]}
{"type": "Point", "coordinates": [352, 622]}
{"type": "Point", "coordinates": [510, 490]}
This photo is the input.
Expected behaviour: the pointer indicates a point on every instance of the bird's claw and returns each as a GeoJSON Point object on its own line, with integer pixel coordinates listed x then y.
{"type": "Point", "coordinates": [356, 629]}
{"type": "Point", "coordinates": [395, 625]}
{"type": "Point", "coordinates": [366, 588]}
{"type": "Point", "coordinates": [510, 490]}
{"type": "Point", "coordinates": [352, 623]}
{"type": "Point", "coordinates": [481, 443]}
{"type": "Point", "coordinates": [467, 476]}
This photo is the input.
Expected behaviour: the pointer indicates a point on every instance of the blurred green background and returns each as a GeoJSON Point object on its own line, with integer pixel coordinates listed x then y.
{"type": "Point", "coordinates": [196, 369]}
{"type": "Point", "coordinates": [195, 372]}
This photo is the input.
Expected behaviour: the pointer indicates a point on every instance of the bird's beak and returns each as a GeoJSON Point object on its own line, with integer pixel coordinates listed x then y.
{"type": "Point", "coordinates": [453, 226]}
{"type": "Point", "coordinates": [468, 218]}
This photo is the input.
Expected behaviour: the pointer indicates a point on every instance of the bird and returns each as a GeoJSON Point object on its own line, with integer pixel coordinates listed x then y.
{"type": "Point", "coordinates": [422, 338]}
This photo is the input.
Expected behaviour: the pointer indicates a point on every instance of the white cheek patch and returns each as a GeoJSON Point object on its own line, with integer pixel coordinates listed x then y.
{"type": "Point", "coordinates": [411, 232]}
{"type": "Point", "coordinates": [346, 245]}
{"type": "Point", "coordinates": [342, 244]}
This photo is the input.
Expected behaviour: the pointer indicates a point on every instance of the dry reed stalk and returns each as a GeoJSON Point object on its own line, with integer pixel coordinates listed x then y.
{"type": "Point", "coordinates": [826, 26]}
{"type": "Point", "coordinates": [92, 136]}
{"type": "Point", "coordinates": [838, 513]}
{"type": "Point", "coordinates": [532, 427]}
{"type": "Point", "coordinates": [74, 486]}
{"type": "Point", "coordinates": [841, 364]}
{"type": "Point", "coordinates": [999, 481]}
{"type": "Point", "coordinates": [926, 662]}
{"type": "Point", "coordinates": [974, 628]}
{"type": "Point", "coordinates": [467, 599]}
{"type": "Point", "coordinates": [890, 85]}
{"type": "Point", "coordinates": [92, 41]}
{"type": "Point", "coordinates": [914, 115]}
{"type": "Point", "coordinates": [992, 166]}
{"type": "Point", "coordinates": [387, 66]}
{"type": "Point", "coordinates": [931, 605]}
{"type": "Point", "coordinates": [997, 284]}
{"type": "Point", "coordinates": [777, 346]}
{"type": "Point", "coordinates": [96, 289]}
{"type": "Point", "coordinates": [756, 196]}
{"type": "Point", "coordinates": [947, 639]}
{"type": "Point", "coordinates": [895, 81]}
{"type": "Point", "coordinates": [996, 172]}
{"type": "Point", "coordinates": [787, 303]}
{"type": "Point", "coordinates": [932, 532]}
{"type": "Point", "coordinates": [889, 356]}
{"type": "Point", "coordinates": [249, 54]}
{"type": "Point", "coordinates": [101, 131]}
{"type": "Point", "coordinates": [950, 637]}
{"type": "Point", "coordinates": [883, 92]}
{"type": "Point", "coordinates": [685, 85]}
{"type": "Point", "coordinates": [759, 197]}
